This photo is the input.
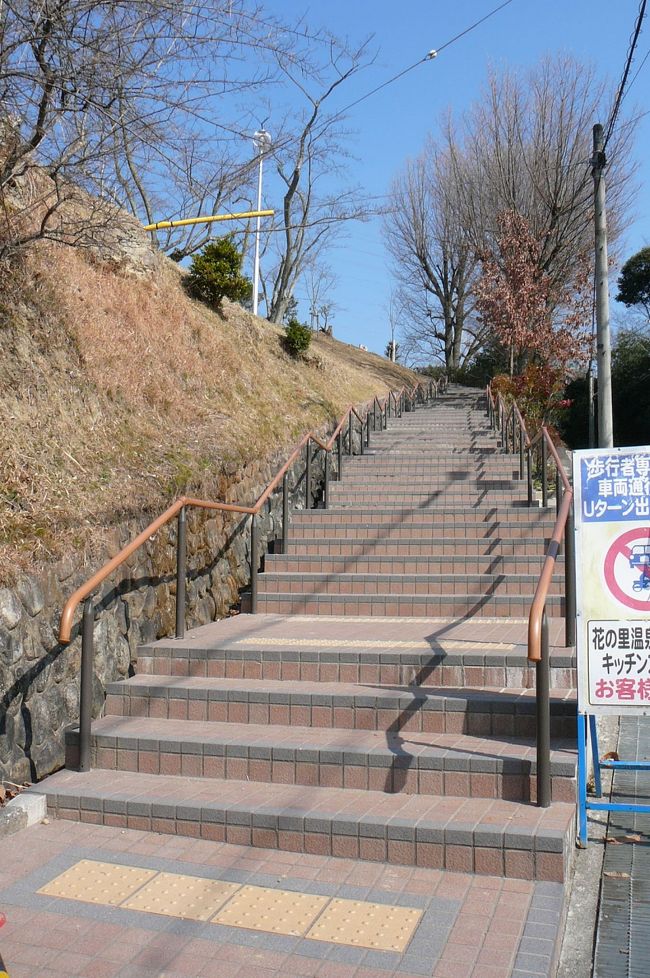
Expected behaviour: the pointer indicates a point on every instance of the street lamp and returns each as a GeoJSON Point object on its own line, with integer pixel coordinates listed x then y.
{"type": "Point", "coordinates": [262, 140]}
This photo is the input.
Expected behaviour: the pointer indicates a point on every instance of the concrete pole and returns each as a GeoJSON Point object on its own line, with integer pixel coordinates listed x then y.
{"type": "Point", "coordinates": [603, 343]}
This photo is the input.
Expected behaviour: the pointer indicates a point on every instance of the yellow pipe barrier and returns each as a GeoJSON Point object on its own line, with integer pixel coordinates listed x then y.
{"type": "Point", "coordinates": [205, 220]}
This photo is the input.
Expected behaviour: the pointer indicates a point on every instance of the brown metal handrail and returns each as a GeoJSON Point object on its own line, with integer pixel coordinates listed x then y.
{"type": "Point", "coordinates": [538, 643]}
{"type": "Point", "coordinates": [178, 509]}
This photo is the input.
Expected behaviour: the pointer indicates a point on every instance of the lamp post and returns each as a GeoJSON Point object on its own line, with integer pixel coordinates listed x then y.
{"type": "Point", "coordinates": [262, 140]}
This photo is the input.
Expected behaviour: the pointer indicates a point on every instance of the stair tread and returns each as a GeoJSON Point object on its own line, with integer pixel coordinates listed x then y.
{"type": "Point", "coordinates": [475, 820]}
{"type": "Point", "coordinates": [281, 690]}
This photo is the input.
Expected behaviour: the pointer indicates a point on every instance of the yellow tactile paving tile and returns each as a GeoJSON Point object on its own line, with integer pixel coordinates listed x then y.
{"type": "Point", "coordinates": [273, 911]}
{"type": "Point", "coordinates": [451, 643]}
{"type": "Point", "coordinates": [361, 924]}
{"type": "Point", "coordinates": [319, 918]}
{"type": "Point", "coordinates": [189, 897]}
{"type": "Point", "coordinates": [97, 882]}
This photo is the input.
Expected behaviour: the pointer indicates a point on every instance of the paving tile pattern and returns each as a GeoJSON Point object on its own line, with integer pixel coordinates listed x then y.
{"type": "Point", "coordinates": [470, 926]}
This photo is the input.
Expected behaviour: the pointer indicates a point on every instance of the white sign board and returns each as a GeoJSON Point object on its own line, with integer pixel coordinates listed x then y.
{"type": "Point", "coordinates": [612, 520]}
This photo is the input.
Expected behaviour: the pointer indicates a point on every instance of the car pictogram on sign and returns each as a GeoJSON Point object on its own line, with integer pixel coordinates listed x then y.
{"type": "Point", "coordinates": [627, 568]}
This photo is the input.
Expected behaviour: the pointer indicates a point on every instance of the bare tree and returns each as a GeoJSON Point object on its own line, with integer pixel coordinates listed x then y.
{"type": "Point", "coordinates": [308, 152]}
{"type": "Point", "coordinates": [320, 281]}
{"type": "Point", "coordinates": [523, 149]}
{"type": "Point", "coordinates": [125, 101]}
{"type": "Point", "coordinates": [526, 149]}
{"type": "Point", "coordinates": [433, 261]}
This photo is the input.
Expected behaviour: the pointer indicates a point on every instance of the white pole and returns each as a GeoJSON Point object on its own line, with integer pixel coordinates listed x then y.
{"type": "Point", "coordinates": [256, 265]}
{"type": "Point", "coordinates": [262, 140]}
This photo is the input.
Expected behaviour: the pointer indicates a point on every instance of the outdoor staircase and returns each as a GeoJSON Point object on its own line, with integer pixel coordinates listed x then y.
{"type": "Point", "coordinates": [380, 705]}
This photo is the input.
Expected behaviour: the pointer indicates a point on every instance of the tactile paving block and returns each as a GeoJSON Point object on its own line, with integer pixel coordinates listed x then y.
{"type": "Point", "coordinates": [97, 882]}
{"type": "Point", "coordinates": [361, 924]}
{"type": "Point", "coordinates": [274, 911]}
{"type": "Point", "coordinates": [190, 897]}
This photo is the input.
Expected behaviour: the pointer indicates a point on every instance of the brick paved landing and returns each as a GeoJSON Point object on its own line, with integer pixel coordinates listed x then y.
{"type": "Point", "coordinates": [470, 926]}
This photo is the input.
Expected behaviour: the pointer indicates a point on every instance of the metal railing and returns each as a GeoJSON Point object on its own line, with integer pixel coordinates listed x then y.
{"type": "Point", "coordinates": [376, 415]}
{"type": "Point", "coordinates": [509, 421]}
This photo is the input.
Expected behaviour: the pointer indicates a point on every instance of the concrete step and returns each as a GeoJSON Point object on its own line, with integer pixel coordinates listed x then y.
{"type": "Point", "coordinates": [480, 835]}
{"type": "Point", "coordinates": [398, 583]}
{"type": "Point", "coordinates": [449, 764]}
{"type": "Point", "coordinates": [424, 564]}
{"type": "Point", "coordinates": [486, 711]}
{"type": "Point", "coordinates": [407, 605]}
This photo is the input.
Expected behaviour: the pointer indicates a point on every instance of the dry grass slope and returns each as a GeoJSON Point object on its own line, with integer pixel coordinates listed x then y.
{"type": "Point", "coordinates": [120, 393]}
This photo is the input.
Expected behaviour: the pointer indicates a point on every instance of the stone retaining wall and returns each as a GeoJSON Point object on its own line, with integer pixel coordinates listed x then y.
{"type": "Point", "coordinates": [39, 677]}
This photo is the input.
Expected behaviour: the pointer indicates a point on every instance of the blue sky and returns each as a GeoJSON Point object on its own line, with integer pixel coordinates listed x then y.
{"type": "Point", "coordinates": [392, 125]}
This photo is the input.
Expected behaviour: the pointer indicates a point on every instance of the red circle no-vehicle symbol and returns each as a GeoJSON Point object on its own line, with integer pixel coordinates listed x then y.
{"type": "Point", "coordinates": [627, 568]}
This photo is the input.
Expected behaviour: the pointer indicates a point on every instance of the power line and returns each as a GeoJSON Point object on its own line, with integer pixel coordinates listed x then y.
{"type": "Point", "coordinates": [427, 57]}
{"type": "Point", "coordinates": [628, 64]}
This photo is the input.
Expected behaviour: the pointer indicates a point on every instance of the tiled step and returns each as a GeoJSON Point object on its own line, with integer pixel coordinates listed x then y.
{"type": "Point", "coordinates": [426, 497]}
{"type": "Point", "coordinates": [477, 712]}
{"type": "Point", "coordinates": [353, 583]}
{"type": "Point", "coordinates": [436, 663]}
{"type": "Point", "coordinates": [496, 533]}
{"type": "Point", "coordinates": [406, 605]}
{"type": "Point", "coordinates": [424, 564]}
{"type": "Point", "coordinates": [449, 764]}
{"type": "Point", "coordinates": [532, 548]}
{"type": "Point", "coordinates": [480, 835]}
{"type": "Point", "coordinates": [399, 481]}
{"type": "Point", "coordinates": [492, 516]}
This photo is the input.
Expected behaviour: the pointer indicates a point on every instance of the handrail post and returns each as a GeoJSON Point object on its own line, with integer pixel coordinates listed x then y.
{"type": "Point", "coordinates": [521, 452]}
{"type": "Point", "coordinates": [350, 434]}
{"type": "Point", "coordinates": [86, 684]}
{"type": "Point", "coordinates": [544, 473]}
{"type": "Point", "coordinates": [361, 435]}
{"type": "Point", "coordinates": [514, 422]}
{"type": "Point", "coordinates": [542, 683]}
{"type": "Point", "coordinates": [529, 474]}
{"type": "Point", "coordinates": [285, 512]}
{"type": "Point", "coordinates": [339, 473]}
{"type": "Point", "coordinates": [254, 563]}
{"type": "Point", "coordinates": [390, 396]}
{"type": "Point", "coordinates": [368, 430]}
{"type": "Point", "coordinates": [308, 475]}
{"type": "Point", "coordinates": [181, 571]}
{"type": "Point", "coordinates": [327, 478]}
{"type": "Point", "coordinates": [374, 416]}
{"type": "Point", "coordinates": [569, 580]}
{"type": "Point", "coordinates": [559, 492]}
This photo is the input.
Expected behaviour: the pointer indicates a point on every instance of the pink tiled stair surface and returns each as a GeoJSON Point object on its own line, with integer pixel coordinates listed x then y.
{"type": "Point", "coordinates": [380, 706]}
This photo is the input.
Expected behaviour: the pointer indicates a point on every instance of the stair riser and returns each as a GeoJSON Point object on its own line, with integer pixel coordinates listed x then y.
{"type": "Point", "coordinates": [427, 672]}
{"type": "Point", "coordinates": [422, 606]}
{"type": "Point", "coordinates": [518, 784]}
{"type": "Point", "coordinates": [407, 719]}
{"type": "Point", "coordinates": [489, 564]}
{"type": "Point", "coordinates": [267, 832]}
{"type": "Point", "coordinates": [272, 583]}
{"type": "Point", "coordinates": [416, 549]}
{"type": "Point", "coordinates": [492, 518]}
{"type": "Point", "coordinates": [467, 534]}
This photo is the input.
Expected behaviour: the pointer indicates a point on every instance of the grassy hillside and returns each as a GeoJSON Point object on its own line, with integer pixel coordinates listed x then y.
{"type": "Point", "coordinates": [120, 393]}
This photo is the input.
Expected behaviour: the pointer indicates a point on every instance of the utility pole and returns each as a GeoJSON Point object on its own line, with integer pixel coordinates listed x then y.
{"type": "Point", "coordinates": [603, 344]}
